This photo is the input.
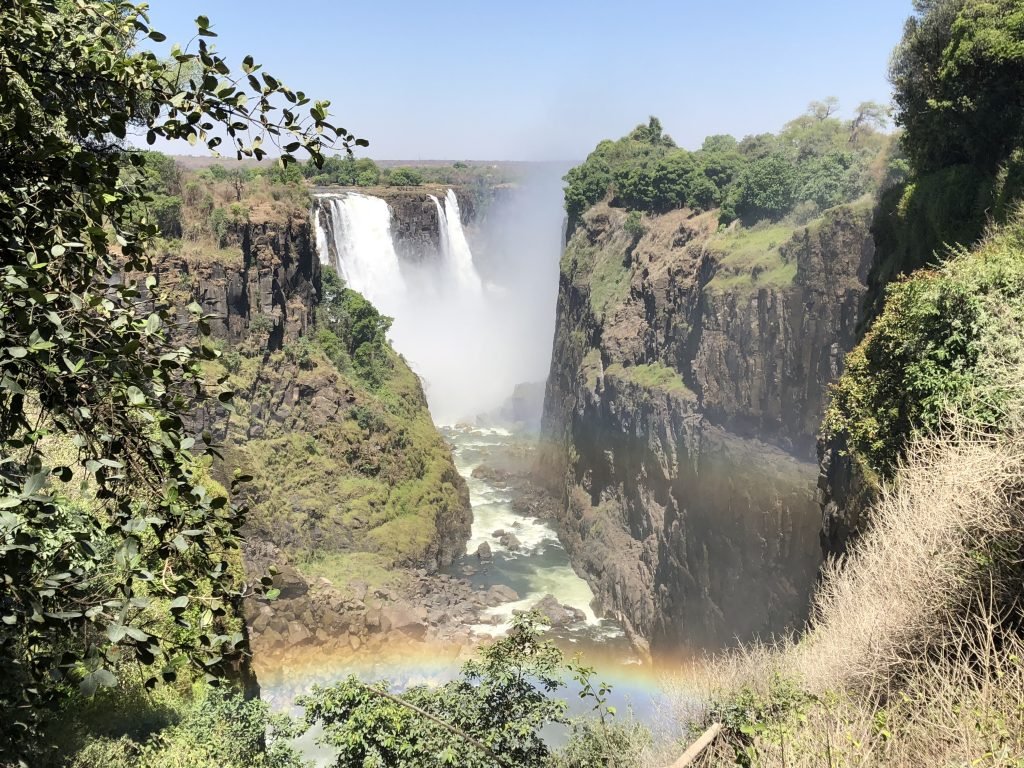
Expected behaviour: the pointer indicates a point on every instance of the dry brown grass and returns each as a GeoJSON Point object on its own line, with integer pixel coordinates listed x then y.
{"type": "Point", "coordinates": [915, 657]}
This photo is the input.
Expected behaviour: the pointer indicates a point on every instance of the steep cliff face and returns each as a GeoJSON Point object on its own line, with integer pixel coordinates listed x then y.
{"type": "Point", "coordinates": [344, 473]}
{"type": "Point", "coordinates": [265, 280]}
{"type": "Point", "coordinates": [688, 378]}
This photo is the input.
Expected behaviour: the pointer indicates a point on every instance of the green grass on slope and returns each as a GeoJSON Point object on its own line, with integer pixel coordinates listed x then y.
{"type": "Point", "coordinates": [654, 376]}
{"type": "Point", "coordinates": [366, 472]}
{"type": "Point", "coordinates": [752, 258]}
{"type": "Point", "coordinates": [604, 270]}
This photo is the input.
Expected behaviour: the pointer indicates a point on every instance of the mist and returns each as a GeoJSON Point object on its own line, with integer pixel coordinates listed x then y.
{"type": "Point", "coordinates": [476, 318]}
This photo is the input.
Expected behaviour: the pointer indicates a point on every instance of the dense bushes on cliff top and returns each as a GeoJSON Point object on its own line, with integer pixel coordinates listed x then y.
{"type": "Point", "coordinates": [817, 161]}
{"type": "Point", "coordinates": [958, 76]}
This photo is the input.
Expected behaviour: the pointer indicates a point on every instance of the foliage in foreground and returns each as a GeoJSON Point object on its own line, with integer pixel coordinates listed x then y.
{"type": "Point", "coordinates": [84, 363]}
{"type": "Point", "coordinates": [493, 715]}
{"type": "Point", "coordinates": [172, 727]}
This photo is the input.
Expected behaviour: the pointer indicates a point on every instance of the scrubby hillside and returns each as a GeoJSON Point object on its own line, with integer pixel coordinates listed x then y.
{"type": "Point", "coordinates": [350, 477]}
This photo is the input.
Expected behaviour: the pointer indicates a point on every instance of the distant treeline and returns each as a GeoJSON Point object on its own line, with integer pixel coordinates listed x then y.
{"type": "Point", "coordinates": [816, 162]}
{"type": "Point", "coordinates": [348, 171]}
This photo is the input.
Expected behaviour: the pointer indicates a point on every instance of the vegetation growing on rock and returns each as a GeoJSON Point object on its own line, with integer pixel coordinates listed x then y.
{"type": "Point", "coordinates": [93, 390]}
{"type": "Point", "coordinates": [933, 352]}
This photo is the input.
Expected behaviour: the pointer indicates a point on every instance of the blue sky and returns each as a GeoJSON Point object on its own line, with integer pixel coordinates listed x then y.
{"type": "Point", "coordinates": [535, 80]}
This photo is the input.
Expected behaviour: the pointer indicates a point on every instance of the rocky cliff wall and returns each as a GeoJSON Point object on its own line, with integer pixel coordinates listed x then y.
{"type": "Point", "coordinates": [326, 453]}
{"type": "Point", "coordinates": [263, 282]}
{"type": "Point", "coordinates": [688, 378]}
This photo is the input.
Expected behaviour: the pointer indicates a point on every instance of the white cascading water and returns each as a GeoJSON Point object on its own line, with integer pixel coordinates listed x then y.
{"type": "Point", "coordinates": [440, 321]}
{"type": "Point", "coordinates": [442, 226]}
{"type": "Point", "coordinates": [457, 253]}
{"type": "Point", "coordinates": [366, 253]}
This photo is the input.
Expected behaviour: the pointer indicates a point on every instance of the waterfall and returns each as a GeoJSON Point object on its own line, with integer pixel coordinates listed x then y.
{"type": "Point", "coordinates": [442, 227]}
{"type": "Point", "coordinates": [365, 256]}
{"type": "Point", "coordinates": [458, 256]}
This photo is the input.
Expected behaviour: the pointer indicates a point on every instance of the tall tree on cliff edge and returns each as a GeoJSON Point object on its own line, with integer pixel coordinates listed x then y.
{"type": "Point", "coordinates": [105, 522]}
{"type": "Point", "coordinates": [958, 75]}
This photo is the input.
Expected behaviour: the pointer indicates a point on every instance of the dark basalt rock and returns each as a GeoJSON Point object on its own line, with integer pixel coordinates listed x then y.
{"type": "Point", "coordinates": [689, 502]}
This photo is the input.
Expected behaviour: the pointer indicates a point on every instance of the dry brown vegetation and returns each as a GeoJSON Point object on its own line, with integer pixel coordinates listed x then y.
{"type": "Point", "coordinates": [915, 656]}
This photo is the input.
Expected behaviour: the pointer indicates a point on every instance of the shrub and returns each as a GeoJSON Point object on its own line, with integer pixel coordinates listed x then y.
{"type": "Point", "coordinates": [931, 352]}
{"type": "Point", "coordinates": [634, 225]}
{"type": "Point", "coordinates": [404, 177]}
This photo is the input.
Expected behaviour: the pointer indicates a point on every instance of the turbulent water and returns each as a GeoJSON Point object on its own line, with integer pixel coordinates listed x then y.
{"type": "Point", "coordinates": [539, 566]}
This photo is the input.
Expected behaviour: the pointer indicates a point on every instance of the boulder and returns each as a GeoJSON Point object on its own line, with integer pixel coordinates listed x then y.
{"type": "Point", "coordinates": [483, 552]}
{"type": "Point", "coordinates": [290, 582]}
{"type": "Point", "coordinates": [271, 639]}
{"type": "Point", "coordinates": [262, 620]}
{"type": "Point", "coordinates": [510, 542]}
{"type": "Point", "coordinates": [501, 593]}
{"type": "Point", "coordinates": [559, 615]}
{"type": "Point", "coordinates": [297, 633]}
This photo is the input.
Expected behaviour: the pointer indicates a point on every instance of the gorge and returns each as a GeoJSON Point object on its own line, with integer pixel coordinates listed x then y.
{"type": "Point", "coordinates": [679, 424]}
{"type": "Point", "coordinates": [709, 447]}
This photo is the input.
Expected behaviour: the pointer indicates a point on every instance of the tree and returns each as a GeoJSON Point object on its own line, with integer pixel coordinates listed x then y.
{"type": "Point", "coordinates": [92, 389]}
{"type": "Point", "coordinates": [869, 115]}
{"type": "Point", "coordinates": [824, 109]}
{"type": "Point", "coordinates": [493, 715]}
{"type": "Point", "coordinates": [585, 184]}
{"type": "Point", "coordinates": [652, 133]}
{"type": "Point", "coordinates": [768, 188]}
{"type": "Point", "coordinates": [958, 75]}
{"type": "Point", "coordinates": [404, 177]}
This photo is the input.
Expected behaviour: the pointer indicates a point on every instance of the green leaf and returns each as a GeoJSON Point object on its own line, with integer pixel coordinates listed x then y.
{"type": "Point", "coordinates": [99, 678]}
{"type": "Point", "coordinates": [34, 483]}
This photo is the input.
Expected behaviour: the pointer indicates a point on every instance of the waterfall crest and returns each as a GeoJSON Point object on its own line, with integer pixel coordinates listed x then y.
{"type": "Point", "coordinates": [364, 252]}
{"type": "Point", "coordinates": [473, 310]}
{"type": "Point", "coordinates": [457, 254]}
